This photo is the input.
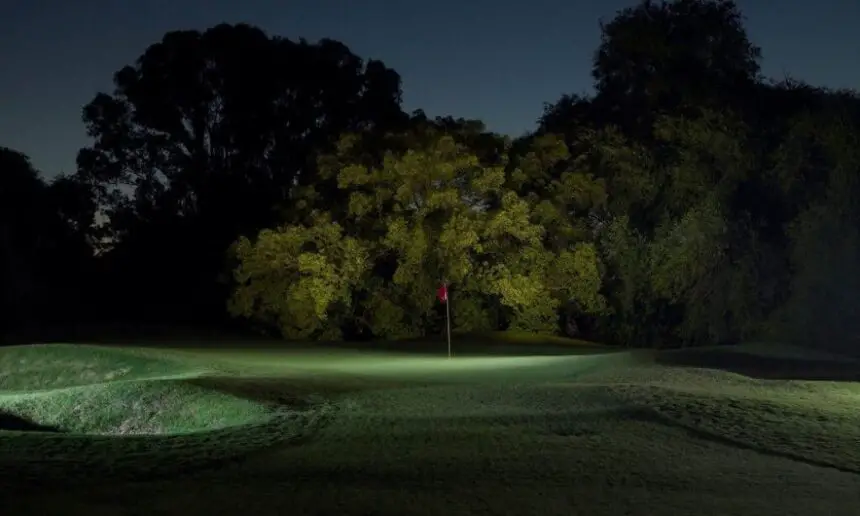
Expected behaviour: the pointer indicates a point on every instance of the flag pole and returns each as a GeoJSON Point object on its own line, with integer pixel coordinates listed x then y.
{"type": "Point", "coordinates": [448, 316]}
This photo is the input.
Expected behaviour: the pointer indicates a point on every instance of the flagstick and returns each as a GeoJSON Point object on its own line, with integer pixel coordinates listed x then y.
{"type": "Point", "coordinates": [448, 316]}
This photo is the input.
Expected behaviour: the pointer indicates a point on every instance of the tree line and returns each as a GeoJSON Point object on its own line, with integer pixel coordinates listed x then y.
{"type": "Point", "coordinates": [279, 184]}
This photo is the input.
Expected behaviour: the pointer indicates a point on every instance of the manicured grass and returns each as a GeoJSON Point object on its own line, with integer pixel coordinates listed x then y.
{"type": "Point", "coordinates": [50, 366]}
{"type": "Point", "coordinates": [495, 343]}
{"type": "Point", "coordinates": [134, 407]}
{"type": "Point", "coordinates": [325, 430]}
{"type": "Point", "coordinates": [67, 412]}
{"type": "Point", "coordinates": [816, 422]}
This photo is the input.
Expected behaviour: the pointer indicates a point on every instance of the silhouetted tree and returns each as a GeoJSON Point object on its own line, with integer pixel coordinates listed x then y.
{"type": "Point", "coordinates": [211, 135]}
{"type": "Point", "coordinates": [664, 56]}
{"type": "Point", "coordinates": [45, 252]}
{"type": "Point", "coordinates": [818, 168]}
{"type": "Point", "coordinates": [686, 202]}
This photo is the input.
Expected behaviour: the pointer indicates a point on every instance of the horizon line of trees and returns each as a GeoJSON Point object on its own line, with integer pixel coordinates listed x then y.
{"type": "Point", "coordinates": [280, 185]}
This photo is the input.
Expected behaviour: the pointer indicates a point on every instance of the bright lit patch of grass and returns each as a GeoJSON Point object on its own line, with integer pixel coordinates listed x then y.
{"type": "Point", "coordinates": [529, 338]}
{"type": "Point", "coordinates": [51, 366]}
{"type": "Point", "coordinates": [67, 412]}
{"type": "Point", "coordinates": [134, 407]}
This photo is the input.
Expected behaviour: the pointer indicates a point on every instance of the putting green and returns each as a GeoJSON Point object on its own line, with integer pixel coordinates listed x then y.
{"type": "Point", "coordinates": [136, 412]}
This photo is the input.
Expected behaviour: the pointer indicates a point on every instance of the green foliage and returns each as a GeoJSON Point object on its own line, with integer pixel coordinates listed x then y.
{"type": "Point", "coordinates": [658, 245]}
{"type": "Point", "coordinates": [707, 154]}
{"type": "Point", "coordinates": [472, 313]}
{"type": "Point", "coordinates": [688, 265]}
{"type": "Point", "coordinates": [416, 217]}
{"type": "Point", "coordinates": [702, 273]}
{"type": "Point", "coordinates": [299, 278]}
{"type": "Point", "coordinates": [659, 57]}
{"type": "Point", "coordinates": [198, 144]}
{"type": "Point", "coordinates": [627, 169]}
{"type": "Point", "coordinates": [686, 202]}
{"type": "Point", "coordinates": [687, 250]}
{"type": "Point", "coordinates": [388, 318]}
{"type": "Point", "coordinates": [825, 241]}
{"type": "Point", "coordinates": [628, 286]}
{"type": "Point", "coordinates": [578, 275]}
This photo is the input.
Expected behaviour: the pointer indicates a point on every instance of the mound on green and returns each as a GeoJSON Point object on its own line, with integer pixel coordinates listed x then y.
{"type": "Point", "coordinates": [817, 422]}
{"type": "Point", "coordinates": [135, 407]}
{"type": "Point", "coordinates": [52, 366]}
{"type": "Point", "coordinates": [819, 425]}
{"type": "Point", "coordinates": [72, 411]}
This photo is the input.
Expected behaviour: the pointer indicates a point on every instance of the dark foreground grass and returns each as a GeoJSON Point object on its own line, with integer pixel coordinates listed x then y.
{"type": "Point", "coordinates": [69, 413]}
{"type": "Point", "coordinates": [820, 432]}
{"type": "Point", "coordinates": [789, 403]}
{"type": "Point", "coordinates": [355, 433]}
{"type": "Point", "coordinates": [767, 362]}
{"type": "Point", "coordinates": [76, 459]}
{"type": "Point", "coordinates": [566, 448]}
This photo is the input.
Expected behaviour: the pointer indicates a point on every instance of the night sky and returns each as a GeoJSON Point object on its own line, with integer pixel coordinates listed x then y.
{"type": "Point", "coordinates": [493, 60]}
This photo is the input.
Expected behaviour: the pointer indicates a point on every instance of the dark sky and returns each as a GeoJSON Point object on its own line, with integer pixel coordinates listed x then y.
{"type": "Point", "coordinates": [494, 60]}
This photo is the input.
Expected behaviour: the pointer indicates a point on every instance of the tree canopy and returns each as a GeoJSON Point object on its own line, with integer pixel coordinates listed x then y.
{"type": "Point", "coordinates": [45, 245]}
{"type": "Point", "coordinates": [207, 137]}
{"type": "Point", "coordinates": [687, 201]}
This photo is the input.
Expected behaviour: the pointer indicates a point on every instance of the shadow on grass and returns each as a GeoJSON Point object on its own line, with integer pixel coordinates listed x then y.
{"type": "Point", "coordinates": [593, 432]}
{"type": "Point", "coordinates": [12, 422]}
{"type": "Point", "coordinates": [583, 424]}
{"type": "Point", "coordinates": [761, 367]}
{"type": "Point", "coordinates": [716, 437]}
{"type": "Point", "coordinates": [301, 393]}
{"type": "Point", "coordinates": [32, 459]}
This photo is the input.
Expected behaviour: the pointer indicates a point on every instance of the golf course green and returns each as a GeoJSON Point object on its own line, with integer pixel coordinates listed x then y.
{"type": "Point", "coordinates": [274, 428]}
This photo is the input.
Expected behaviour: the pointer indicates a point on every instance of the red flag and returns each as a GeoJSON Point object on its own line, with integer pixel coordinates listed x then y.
{"type": "Point", "coordinates": [442, 293]}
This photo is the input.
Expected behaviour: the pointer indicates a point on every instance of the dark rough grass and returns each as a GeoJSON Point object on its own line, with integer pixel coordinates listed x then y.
{"type": "Point", "coordinates": [574, 435]}
{"type": "Point", "coordinates": [764, 367]}
{"type": "Point", "coordinates": [821, 435]}
{"type": "Point", "coordinates": [566, 448]}
{"type": "Point", "coordinates": [75, 459]}
{"type": "Point", "coordinates": [781, 400]}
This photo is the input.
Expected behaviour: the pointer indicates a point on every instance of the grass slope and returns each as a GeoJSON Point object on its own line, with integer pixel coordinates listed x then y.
{"type": "Point", "coordinates": [50, 366]}
{"type": "Point", "coordinates": [134, 407]}
{"type": "Point", "coordinates": [814, 422]}
{"type": "Point", "coordinates": [615, 433]}
{"type": "Point", "coordinates": [85, 409]}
